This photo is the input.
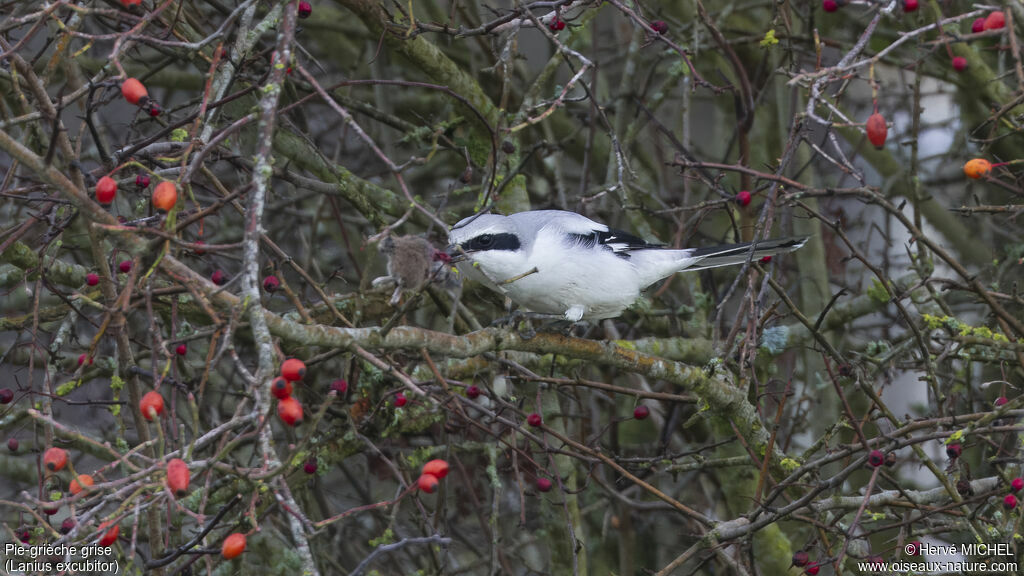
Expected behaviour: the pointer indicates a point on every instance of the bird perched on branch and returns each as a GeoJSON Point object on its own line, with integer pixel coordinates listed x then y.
{"type": "Point", "coordinates": [562, 263]}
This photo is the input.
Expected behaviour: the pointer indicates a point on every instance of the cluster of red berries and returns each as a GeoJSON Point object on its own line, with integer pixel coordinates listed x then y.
{"type": "Point", "coordinates": [1010, 500]}
{"type": "Point", "coordinates": [288, 408]}
{"type": "Point", "coordinates": [54, 460]}
{"type": "Point", "coordinates": [431, 475]}
{"type": "Point", "coordinates": [994, 21]}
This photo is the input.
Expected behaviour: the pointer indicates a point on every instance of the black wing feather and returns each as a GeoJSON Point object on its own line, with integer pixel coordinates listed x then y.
{"type": "Point", "coordinates": [617, 241]}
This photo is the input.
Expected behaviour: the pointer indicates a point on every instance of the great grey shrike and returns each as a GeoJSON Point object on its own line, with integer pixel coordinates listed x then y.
{"type": "Point", "coordinates": [562, 263]}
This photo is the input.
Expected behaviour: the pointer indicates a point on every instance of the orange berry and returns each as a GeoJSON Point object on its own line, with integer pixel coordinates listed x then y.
{"type": "Point", "coordinates": [233, 546]}
{"type": "Point", "coordinates": [133, 90]}
{"type": "Point", "coordinates": [427, 482]}
{"type": "Point", "coordinates": [110, 536]}
{"type": "Point", "coordinates": [81, 483]}
{"type": "Point", "coordinates": [281, 388]}
{"type": "Point", "coordinates": [877, 130]}
{"type": "Point", "coordinates": [151, 405]}
{"type": "Point", "coordinates": [165, 196]}
{"type": "Point", "coordinates": [290, 411]}
{"type": "Point", "coordinates": [995, 20]}
{"type": "Point", "coordinates": [177, 476]}
{"type": "Point", "coordinates": [55, 459]}
{"type": "Point", "coordinates": [106, 189]}
{"type": "Point", "coordinates": [293, 369]}
{"type": "Point", "coordinates": [977, 168]}
{"type": "Point", "coordinates": [436, 468]}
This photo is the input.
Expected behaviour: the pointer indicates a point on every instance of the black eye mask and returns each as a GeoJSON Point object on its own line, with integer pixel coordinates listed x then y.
{"type": "Point", "coordinates": [504, 241]}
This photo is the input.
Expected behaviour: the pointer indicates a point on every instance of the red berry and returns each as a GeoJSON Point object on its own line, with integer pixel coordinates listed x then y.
{"type": "Point", "coordinates": [293, 369]}
{"type": "Point", "coordinates": [165, 196]}
{"type": "Point", "coordinates": [6, 396]}
{"type": "Point", "coordinates": [428, 483]}
{"type": "Point", "coordinates": [271, 283]}
{"type": "Point", "coordinates": [543, 484]}
{"type": "Point", "coordinates": [743, 198]}
{"type": "Point", "coordinates": [473, 392]}
{"type": "Point", "coordinates": [659, 26]}
{"type": "Point", "coordinates": [219, 277]}
{"type": "Point", "coordinates": [67, 526]}
{"type": "Point", "coordinates": [641, 412]}
{"type": "Point", "coordinates": [151, 405]}
{"type": "Point", "coordinates": [51, 508]}
{"type": "Point", "coordinates": [1017, 484]}
{"type": "Point", "coordinates": [876, 458]}
{"type": "Point", "coordinates": [281, 388]}
{"type": "Point", "coordinates": [133, 91]}
{"type": "Point", "coordinates": [801, 558]}
{"type": "Point", "coordinates": [25, 536]}
{"type": "Point", "coordinates": [954, 451]}
{"type": "Point", "coordinates": [154, 109]}
{"type": "Point", "coordinates": [178, 477]}
{"type": "Point", "coordinates": [305, 9]}
{"type": "Point", "coordinates": [877, 130]}
{"type": "Point", "coordinates": [1010, 502]}
{"type": "Point", "coordinates": [92, 279]}
{"type": "Point", "coordinates": [310, 466]}
{"type": "Point", "coordinates": [829, 5]}
{"type": "Point", "coordinates": [978, 25]}
{"type": "Point", "coordinates": [995, 20]}
{"type": "Point", "coordinates": [400, 400]}
{"type": "Point", "coordinates": [198, 250]}
{"type": "Point", "coordinates": [54, 459]}
{"type": "Point", "coordinates": [557, 25]}
{"type": "Point", "coordinates": [106, 189]}
{"type": "Point", "coordinates": [80, 483]}
{"type": "Point", "coordinates": [125, 266]}
{"type": "Point", "coordinates": [340, 386]}
{"type": "Point", "coordinates": [909, 5]}
{"type": "Point", "coordinates": [12, 444]}
{"type": "Point", "coordinates": [959, 63]}
{"type": "Point", "coordinates": [290, 411]}
{"type": "Point", "coordinates": [142, 181]}
{"type": "Point", "coordinates": [766, 260]}
{"type": "Point", "coordinates": [1001, 400]}
{"type": "Point", "coordinates": [233, 546]}
{"type": "Point", "coordinates": [534, 420]}
{"type": "Point", "coordinates": [81, 359]}
{"type": "Point", "coordinates": [812, 570]}
{"type": "Point", "coordinates": [436, 468]}
{"type": "Point", "coordinates": [181, 349]}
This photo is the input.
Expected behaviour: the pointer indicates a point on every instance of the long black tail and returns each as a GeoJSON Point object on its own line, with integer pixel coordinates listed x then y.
{"type": "Point", "coordinates": [726, 254]}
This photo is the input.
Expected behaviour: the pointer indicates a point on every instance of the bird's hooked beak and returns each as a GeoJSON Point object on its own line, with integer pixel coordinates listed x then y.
{"type": "Point", "coordinates": [455, 253]}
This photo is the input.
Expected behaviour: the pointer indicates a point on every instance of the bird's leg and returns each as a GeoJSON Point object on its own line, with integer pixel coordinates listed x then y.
{"type": "Point", "coordinates": [510, 320]}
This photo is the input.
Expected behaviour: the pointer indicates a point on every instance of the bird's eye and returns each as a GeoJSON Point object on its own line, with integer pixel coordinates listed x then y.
{"type": "Point", "coordinates": [485, 241]}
